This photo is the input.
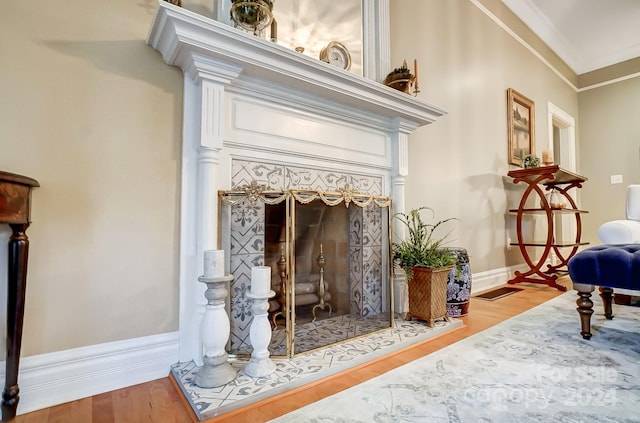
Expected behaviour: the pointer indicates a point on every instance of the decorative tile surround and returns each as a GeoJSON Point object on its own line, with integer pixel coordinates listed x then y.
{"type": "Point", "coordinates": [248, 234]}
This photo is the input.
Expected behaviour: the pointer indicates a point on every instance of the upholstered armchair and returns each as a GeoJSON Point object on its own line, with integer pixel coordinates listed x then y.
{"type": "Point", "coordinates": [624, 231]}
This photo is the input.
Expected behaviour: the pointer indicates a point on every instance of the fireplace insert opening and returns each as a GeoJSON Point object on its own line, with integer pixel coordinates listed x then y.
{"type": "Point", "coordinates": [329, 259]}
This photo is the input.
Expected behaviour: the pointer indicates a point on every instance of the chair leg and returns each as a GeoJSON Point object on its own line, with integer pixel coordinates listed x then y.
{"type": "Point", "coordinates": [585, 309]}
{"type": "Point", "coordinates": [607, 295]}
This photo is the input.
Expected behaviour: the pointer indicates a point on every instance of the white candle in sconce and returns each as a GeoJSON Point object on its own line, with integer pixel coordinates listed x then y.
{"type": "Point", "coordinates": [214, 263]}
{"type": "Point", "coordinates": [261, 280]}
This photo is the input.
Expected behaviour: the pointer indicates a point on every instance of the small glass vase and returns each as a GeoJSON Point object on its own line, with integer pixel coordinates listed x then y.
{"type": "Point", "coordinates": [554, 200]}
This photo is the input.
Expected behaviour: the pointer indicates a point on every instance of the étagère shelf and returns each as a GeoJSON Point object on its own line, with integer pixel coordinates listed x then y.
{"type": "Point", "coordinates": [538, 180]}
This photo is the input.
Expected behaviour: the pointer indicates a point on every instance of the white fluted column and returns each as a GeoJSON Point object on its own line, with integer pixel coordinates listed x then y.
{"type": "Point", "coordinates": [401, 169]}
{"type": "Point", "coordinates": [204, 91]}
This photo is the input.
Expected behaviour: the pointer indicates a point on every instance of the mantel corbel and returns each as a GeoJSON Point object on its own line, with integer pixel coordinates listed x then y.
{"type": "Point", "coordinates": [201, 67]}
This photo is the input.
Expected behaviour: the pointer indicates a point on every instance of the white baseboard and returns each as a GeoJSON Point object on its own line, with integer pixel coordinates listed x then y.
{"type": "Point", "coordinates": [482, 281]}
{"type": "Point", "coordinates": [50, 379]}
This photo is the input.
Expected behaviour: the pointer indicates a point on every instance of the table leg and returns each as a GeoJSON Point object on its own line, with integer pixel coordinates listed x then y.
{"type": "Point", "coordinates": [16, 288]}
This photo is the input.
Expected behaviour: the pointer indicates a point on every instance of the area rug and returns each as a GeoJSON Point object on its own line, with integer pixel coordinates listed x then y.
{"type": "Point", "coordinates": [534, 367]}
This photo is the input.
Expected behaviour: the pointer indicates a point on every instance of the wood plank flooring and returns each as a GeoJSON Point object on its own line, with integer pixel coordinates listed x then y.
{"type": "Point", "coordinates": [160, 401]}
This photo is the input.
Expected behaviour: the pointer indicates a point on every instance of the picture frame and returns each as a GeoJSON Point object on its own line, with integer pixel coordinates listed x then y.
{"type": "Point", "coordinates": [521, 126]}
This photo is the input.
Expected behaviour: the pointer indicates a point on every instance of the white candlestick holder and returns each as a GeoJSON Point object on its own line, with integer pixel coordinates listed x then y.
{"type": "Point", "coordinates": [214, 333]}
{"type": "Point", "coordinates": [260, 365]}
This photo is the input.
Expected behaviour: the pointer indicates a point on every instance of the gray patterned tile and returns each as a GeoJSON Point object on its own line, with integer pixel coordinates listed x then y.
{"type": "Point", "coordinates": [248, 232]}
{"type": "Point", "coordinates": [244, 172]}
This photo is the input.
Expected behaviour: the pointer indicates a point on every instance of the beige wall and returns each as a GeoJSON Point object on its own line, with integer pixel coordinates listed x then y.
{"type": "Point", "coordinates": [610, 145]}
{"type": "Point", "coordinates": [458, 165]}
{"type": "Point", "coordinates": [94, 114]}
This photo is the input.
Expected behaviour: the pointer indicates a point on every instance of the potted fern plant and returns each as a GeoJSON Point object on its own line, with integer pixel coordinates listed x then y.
{"type": "Point", "coordinates": [427, 264]}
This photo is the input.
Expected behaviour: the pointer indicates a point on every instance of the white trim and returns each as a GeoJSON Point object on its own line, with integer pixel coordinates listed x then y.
{"type": "Point", "coordinates": [50, 379]}
{"type": "Point", "coordinates": [612, 81]}
{"type": "Point", "coordinates": [523, 42]}
{"type": "Point", "coordinates": [542, 59]}
{"type": "Point", "coordinates": [567, 143]}
{"type": "Point", "coordinates": [376, 44]}
{"type": "Point", "coordinates": [554, 113]}
{"type": "Point", "coordinates": [531, 15]}
{"type": "Point", "coordinates": [493, 278]}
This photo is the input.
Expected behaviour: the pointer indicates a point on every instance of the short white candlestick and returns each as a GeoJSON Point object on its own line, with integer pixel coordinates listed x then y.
{"type": "Point", "coordinates": [260, 365]}
{"type": "Point", "coordinates": [214, 334]}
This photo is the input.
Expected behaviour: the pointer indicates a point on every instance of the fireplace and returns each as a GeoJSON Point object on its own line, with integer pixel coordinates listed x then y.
{"type": "Point", "coordinates": [255, 111]}
{"type": "Point", "coordinates": [328, 249]}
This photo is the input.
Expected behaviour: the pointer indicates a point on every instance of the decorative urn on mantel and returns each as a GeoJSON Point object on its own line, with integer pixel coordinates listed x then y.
{"type": "Point", "coordinates": [246, 97]}
{"type": "Point", "coordinates": [254, 15]}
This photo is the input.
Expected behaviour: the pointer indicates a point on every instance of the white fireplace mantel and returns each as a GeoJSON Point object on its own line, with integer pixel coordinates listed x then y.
{"type": "Point", "coordinates": [246, 97]}
{"type": "Point", "coordinates": [180, 35]}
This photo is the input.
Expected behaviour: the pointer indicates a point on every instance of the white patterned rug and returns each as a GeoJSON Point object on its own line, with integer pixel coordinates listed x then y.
{"type": "Point", "coordinates": [534, 367]}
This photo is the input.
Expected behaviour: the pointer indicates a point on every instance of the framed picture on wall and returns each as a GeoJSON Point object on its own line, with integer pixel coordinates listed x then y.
{"type": "Point", "coordinates": [520, 121]}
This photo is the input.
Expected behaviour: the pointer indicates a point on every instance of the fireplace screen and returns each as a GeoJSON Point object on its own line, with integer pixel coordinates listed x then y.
{"type": "Point", "coordinates": [330, 264]}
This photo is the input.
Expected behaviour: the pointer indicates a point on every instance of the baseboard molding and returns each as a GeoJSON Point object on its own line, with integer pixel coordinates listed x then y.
{"type": "Point", "coordinates": [483, 281]}
{"type": "Point", "coordinates": [50, 379]}
{"type": "Point", "coordinates": [55, 378]}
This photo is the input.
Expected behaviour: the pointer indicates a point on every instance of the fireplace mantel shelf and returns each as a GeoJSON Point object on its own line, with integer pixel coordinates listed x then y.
{"type": "Point", "coordinates": [182, 36]}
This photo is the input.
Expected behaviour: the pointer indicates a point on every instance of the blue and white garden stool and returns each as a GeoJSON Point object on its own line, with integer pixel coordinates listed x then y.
{"type": "Point", "coordinates": [459, 285]}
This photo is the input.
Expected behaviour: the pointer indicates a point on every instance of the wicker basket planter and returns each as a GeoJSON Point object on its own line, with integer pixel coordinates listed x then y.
{"type": "Point", "coordinates": [428, 294]}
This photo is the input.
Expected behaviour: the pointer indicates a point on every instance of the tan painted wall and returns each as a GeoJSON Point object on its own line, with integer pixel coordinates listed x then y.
{"type": "Point", "coordinates": [610, 145]}
{"type": "Point", "coordinates": [458, 165]}
{"type": "Point", "coordinates": [94, 114]}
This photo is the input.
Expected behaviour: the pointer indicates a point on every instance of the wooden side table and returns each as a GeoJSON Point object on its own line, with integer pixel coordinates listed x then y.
{"type": "Point", "coordinates": [15, 210]}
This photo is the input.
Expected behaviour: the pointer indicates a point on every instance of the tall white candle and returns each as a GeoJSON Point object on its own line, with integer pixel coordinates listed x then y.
{"type": "Point", "coordinates": [260, 280]}
{"type": "Point", "coordinates": [214, 263]}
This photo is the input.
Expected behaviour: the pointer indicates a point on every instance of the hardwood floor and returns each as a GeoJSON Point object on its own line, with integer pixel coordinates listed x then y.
{"type": "Point", "coordinates": [160, 401]}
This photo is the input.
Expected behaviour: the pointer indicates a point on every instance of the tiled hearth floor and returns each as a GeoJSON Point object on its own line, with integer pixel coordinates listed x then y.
{"type": "Point", "coordinates": [326, 331]}
{"type": "Point", "coordinates": [304, 368]}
